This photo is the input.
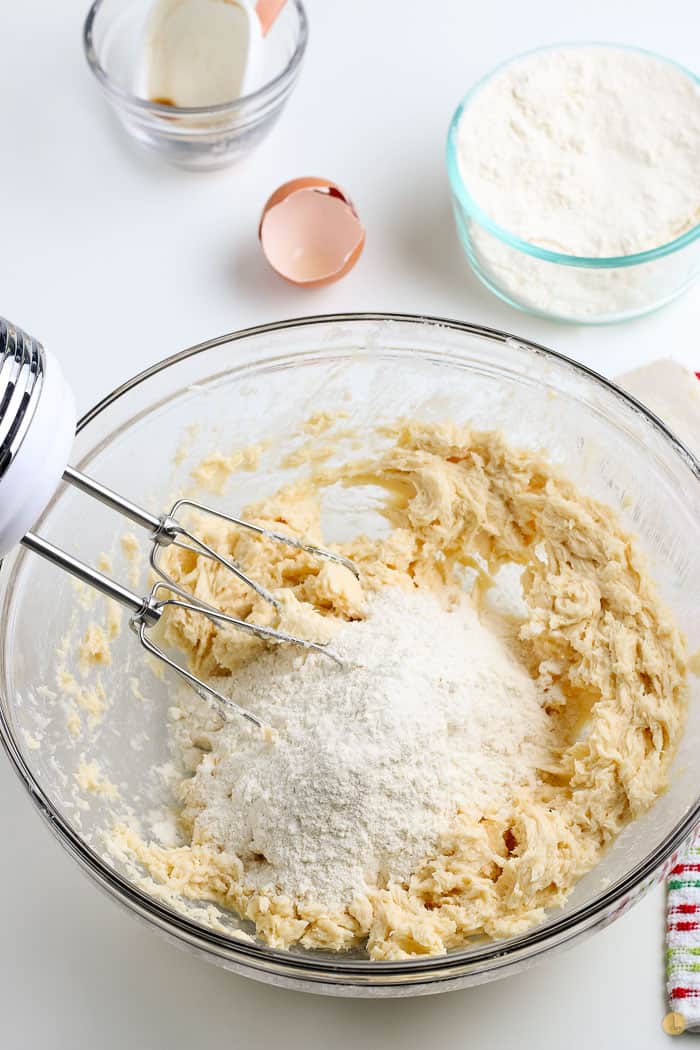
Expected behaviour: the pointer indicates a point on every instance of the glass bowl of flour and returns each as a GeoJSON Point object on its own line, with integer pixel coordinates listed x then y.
{"type": "Point", "coordinates": [574, 179]}
{"type": "Point", "coordinates": [103, 742]}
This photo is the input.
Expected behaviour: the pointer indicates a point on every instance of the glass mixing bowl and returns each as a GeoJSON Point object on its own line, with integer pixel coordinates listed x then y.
{"type": "Point", "coordinates": [258, 386]}
{"type": "Point", "coordinates": [548, 283]}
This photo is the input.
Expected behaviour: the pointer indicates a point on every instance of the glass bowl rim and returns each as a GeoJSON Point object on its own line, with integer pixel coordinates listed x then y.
{"type": "Point", "coordinates": [267, 92]}
{"type": "Point", "coordinates": [472, 209]}
{"type": "Point", "coordinates": [305, 966]}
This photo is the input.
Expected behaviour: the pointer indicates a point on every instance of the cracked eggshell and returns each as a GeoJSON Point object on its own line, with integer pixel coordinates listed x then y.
{"type": "Point", "coordinates": [310, 232]}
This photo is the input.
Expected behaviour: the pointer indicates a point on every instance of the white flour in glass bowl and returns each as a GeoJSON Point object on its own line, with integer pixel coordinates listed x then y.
{"type": "Point", "coordinates": [591, 152]}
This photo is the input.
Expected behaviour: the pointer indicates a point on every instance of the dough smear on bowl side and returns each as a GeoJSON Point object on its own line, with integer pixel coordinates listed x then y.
{"type": "Point", "coordinates": [603, 670]}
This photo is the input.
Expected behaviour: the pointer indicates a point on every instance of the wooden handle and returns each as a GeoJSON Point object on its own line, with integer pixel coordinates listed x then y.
{"type": "Point", "coordinates": [267, 11]}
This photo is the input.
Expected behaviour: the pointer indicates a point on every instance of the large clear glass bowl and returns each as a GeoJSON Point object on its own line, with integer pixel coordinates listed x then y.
{"type": "Point", "coordinates": [258, 386]}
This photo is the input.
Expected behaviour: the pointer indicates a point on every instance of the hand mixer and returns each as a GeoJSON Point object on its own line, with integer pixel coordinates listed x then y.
{"type": "Point", "coordinates": [37, 426]}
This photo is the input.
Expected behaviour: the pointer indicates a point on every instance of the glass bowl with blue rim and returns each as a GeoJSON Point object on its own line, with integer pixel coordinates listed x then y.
{"type": "Point", "coordinates": [552, 284]}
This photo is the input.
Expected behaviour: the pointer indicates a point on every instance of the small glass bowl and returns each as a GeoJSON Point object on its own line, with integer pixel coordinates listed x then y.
{"type": "Point", "coordinates": [202, 137]}
{"type": "Point", "coordinates": [571, 288]}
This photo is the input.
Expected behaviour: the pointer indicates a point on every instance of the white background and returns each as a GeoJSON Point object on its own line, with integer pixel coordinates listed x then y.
{"type": "Point", "coordinates": [113, 261]}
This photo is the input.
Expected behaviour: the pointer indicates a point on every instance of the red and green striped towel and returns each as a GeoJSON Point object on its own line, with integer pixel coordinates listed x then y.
{"type": "Point", "coordinates": [683, 934]}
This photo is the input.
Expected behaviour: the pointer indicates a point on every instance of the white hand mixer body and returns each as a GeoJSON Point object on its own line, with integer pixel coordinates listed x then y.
{"type": "Point", "coordinates": [37, 427]}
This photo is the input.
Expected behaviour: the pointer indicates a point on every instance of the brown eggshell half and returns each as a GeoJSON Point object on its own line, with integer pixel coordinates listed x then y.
{"type": "Point", "coordinates": [310, 232]}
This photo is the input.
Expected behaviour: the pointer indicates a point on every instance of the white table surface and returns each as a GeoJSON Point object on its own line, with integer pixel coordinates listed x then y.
{"type": "Point", "coordinates": [114, 260]}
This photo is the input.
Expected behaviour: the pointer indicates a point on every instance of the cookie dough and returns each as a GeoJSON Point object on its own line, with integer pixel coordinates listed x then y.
{"type": "Point", "coordinates": [594, 635]}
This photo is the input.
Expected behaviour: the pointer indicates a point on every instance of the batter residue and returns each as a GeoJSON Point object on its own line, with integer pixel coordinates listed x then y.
{"type": "Point", "coordinates": [589, 727]}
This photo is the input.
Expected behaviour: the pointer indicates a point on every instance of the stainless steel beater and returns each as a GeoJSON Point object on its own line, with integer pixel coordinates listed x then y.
{"type": "Point", "coordinates": [37, 426]}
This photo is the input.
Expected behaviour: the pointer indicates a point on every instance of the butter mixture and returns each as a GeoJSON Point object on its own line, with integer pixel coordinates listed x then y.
{"type": "Point", "coordinates": [594, 716]}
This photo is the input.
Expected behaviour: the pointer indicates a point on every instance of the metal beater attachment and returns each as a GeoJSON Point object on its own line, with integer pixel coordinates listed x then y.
{"type": "Point", "coordinates": [37, 423]}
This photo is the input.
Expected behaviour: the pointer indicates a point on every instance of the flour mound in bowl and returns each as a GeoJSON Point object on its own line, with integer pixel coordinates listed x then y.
{"type": "Point", "coordinates": [469, 763]}
{"type": "Point", "coordinates": [370, 763]}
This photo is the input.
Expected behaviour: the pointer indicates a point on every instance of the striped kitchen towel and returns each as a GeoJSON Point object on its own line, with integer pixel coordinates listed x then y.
{"type": "Point", "coordinates": [683, 934]}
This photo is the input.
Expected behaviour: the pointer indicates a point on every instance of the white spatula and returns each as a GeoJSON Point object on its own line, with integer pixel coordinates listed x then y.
{"type": "Point", "coordinates": [204, 52]}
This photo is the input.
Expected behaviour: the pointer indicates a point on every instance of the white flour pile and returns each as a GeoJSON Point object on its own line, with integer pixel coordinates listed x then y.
{"type": "Point", "coordinates": [430, 713]}
{"type": "Point", "coordinates": [588, 151]}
